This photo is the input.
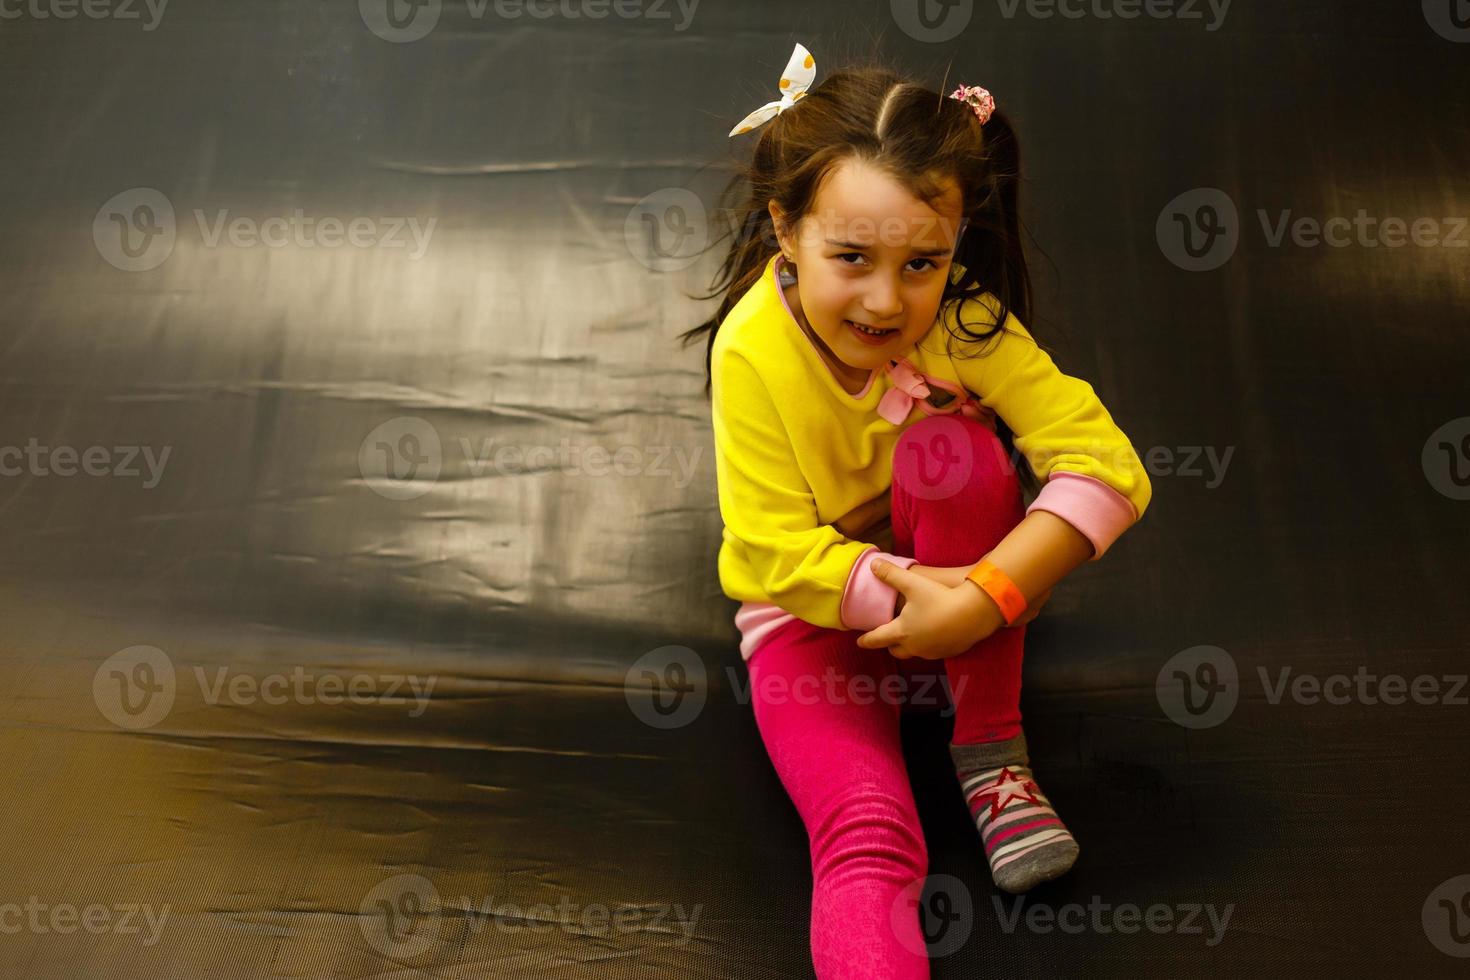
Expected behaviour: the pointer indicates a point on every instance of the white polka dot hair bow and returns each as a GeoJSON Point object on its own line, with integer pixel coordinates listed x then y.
{"type": "Point", "coordinates": [795, 80]}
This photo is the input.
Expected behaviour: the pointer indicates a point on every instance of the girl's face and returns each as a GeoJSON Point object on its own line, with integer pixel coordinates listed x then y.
{"type": "Point", "coordinates": [871, 254]}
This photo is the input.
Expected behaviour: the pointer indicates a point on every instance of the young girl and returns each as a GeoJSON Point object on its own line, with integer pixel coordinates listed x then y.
{"type": "Point", "coordinates": [871, 379]}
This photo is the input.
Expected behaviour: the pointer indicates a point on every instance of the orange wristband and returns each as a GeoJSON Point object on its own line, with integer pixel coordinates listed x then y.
{"type": "Point", "coordinates": [998, 585]}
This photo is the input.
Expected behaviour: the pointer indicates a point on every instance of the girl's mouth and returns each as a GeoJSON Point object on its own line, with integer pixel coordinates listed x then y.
{"type": "Point", "coordinates": [869, 335]}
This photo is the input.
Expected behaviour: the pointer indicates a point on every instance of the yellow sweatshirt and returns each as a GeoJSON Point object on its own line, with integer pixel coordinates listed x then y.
{"type": "Point", "coordinates": [794, 452]}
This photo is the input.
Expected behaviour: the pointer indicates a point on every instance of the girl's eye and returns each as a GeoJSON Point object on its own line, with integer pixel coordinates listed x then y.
{"type": "Point", "coordinates": [858, 255]}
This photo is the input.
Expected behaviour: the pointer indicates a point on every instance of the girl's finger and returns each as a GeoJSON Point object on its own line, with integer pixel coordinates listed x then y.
{"type": "Point", "coordinates": [879, 637]}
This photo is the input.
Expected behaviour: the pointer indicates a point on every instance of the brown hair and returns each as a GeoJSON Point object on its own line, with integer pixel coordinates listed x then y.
{"type": "Point", "coordinates": [918, 136]}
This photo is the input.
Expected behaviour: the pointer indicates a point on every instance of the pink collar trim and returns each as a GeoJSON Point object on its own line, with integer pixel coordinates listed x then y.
{"type": "Point", "coordinates": [910, 387]}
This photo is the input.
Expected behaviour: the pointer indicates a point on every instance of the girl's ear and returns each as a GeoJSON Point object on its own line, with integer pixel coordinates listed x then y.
{"type": "Point", "coordinates": [778, 221]}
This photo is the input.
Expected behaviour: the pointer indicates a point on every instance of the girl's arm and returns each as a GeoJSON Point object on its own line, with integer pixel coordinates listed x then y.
{"type": "Point", "coordinates": [1043, 545]}
{"type": "Point", "coordinates": [938, 620]}
{"type": "Point", "coordinates": [1037, 554]}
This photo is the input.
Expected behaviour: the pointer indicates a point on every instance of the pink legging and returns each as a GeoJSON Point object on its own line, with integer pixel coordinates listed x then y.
{"type": "Point", "coordinates": [834, 739]}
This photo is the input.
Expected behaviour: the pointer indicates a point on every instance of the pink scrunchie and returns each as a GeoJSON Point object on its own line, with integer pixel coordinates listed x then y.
{"type": "Point", "coordinates": [978, 99]}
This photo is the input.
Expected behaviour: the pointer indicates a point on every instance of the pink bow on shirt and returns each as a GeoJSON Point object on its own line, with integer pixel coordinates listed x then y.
{"type": "Point", "coordinates": [909, 386]}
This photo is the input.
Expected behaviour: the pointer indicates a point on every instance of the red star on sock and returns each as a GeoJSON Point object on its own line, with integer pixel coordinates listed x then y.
{"type": "Point", "coordinates": [1006, 788]}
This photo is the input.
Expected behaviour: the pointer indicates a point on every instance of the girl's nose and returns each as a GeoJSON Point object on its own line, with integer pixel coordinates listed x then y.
{"type": "Point", "coordinates": [883, 305]}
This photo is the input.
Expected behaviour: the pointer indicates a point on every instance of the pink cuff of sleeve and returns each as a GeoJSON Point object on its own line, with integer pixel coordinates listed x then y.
{"type": "Point", "coordinates": [1088, 504]}
{"type": "Point", "coordinates": [867, 602]}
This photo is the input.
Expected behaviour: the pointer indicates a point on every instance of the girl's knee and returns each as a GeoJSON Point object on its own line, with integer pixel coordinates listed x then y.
{"type": "Point", "coordinates": [954, 458]}
{"type": "Point", "coordinates": [868, 829]}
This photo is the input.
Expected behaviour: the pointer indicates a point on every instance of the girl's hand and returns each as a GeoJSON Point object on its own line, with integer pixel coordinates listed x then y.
{"type": "Point", "coordinates": [954, 576]}
{"type": "Point", "coordinates": [936, 621]}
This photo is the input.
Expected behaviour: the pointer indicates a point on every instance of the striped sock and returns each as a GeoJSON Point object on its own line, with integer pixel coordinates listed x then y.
{"type": "Point", "coordinates": [1025, 841]}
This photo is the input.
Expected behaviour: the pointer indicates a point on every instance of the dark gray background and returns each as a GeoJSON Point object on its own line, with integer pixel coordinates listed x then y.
{"type": "Point", "coordinates": [534, 317]}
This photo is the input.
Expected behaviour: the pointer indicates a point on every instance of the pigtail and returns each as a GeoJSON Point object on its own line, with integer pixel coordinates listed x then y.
{"type": "Point", "coordinates": [994, 258]}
